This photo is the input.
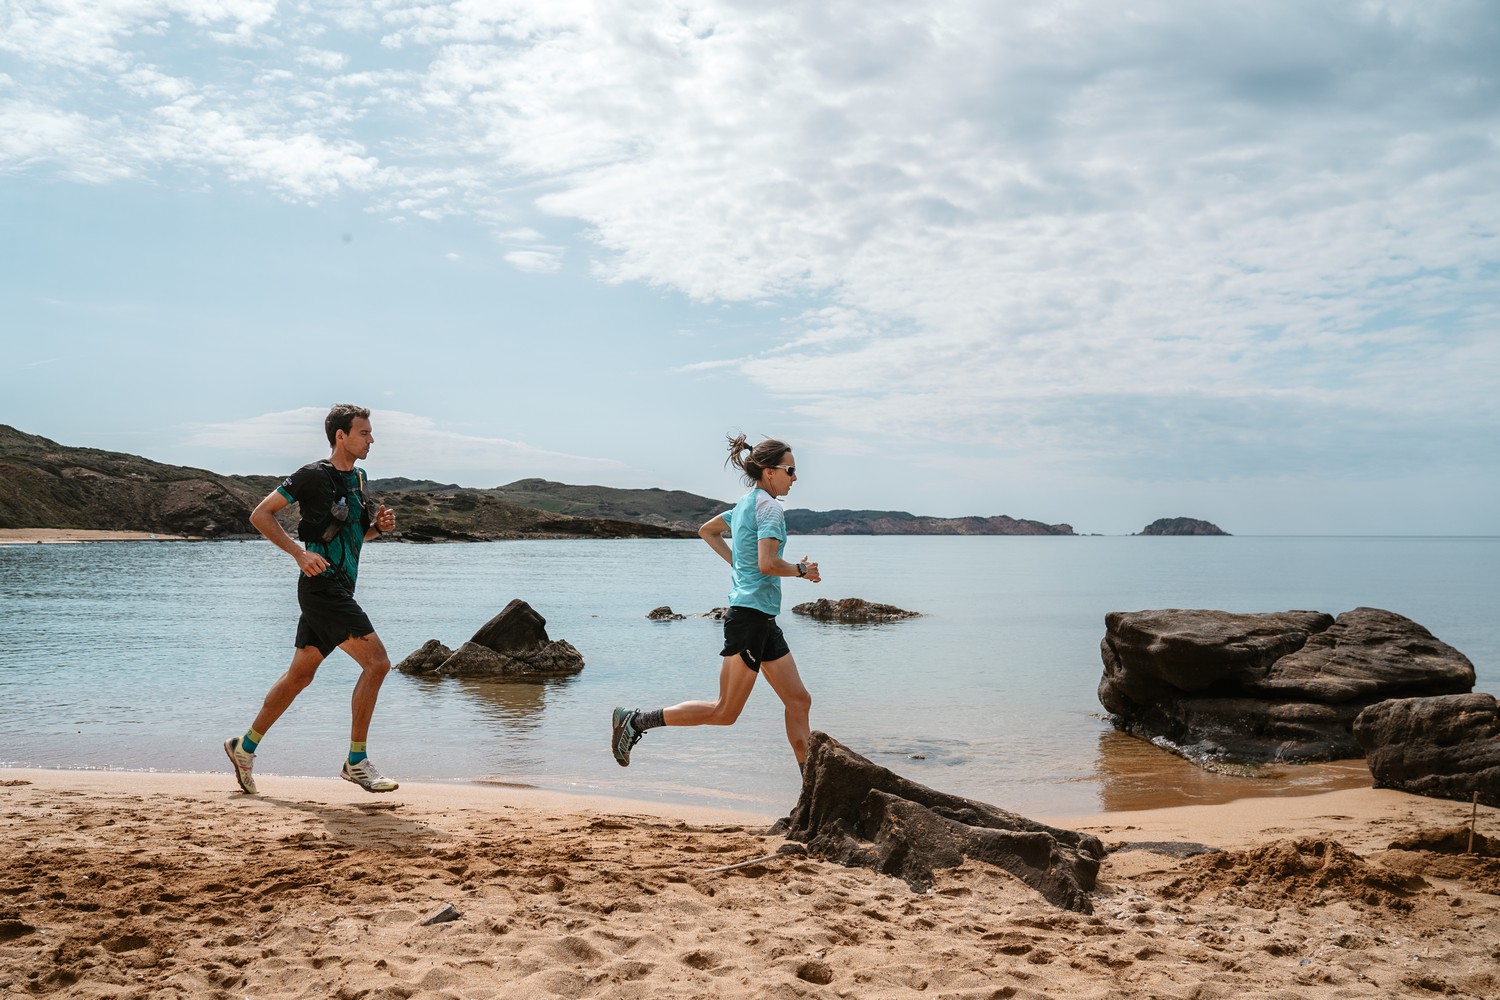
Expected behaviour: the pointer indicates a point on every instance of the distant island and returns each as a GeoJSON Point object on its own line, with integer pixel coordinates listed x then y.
{"type": "Point", "coordinates": [1181, 526]}
{"type": "Point", "coordinates": [44, 484]}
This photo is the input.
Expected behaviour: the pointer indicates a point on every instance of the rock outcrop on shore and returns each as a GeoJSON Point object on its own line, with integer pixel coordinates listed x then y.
{"type": "Point", "coordinates": [1446, 747]}
{"type": "Point", "coordinates": [852, 611]}
{"type": "Point", "coordinates": [1181, 526]}
{"type": "Point", "coordinates": [1224, 688]}
{"type": "Point", "coordinates": [511, 646]}
{"type": "Point", "coordinates": [859, 814]}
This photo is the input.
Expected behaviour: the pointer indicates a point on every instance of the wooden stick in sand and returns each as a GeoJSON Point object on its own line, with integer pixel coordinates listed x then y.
{"type": "Point", "coordinates": [1474, 815]}
{"type": "Point", "coordinates": [747, 864]}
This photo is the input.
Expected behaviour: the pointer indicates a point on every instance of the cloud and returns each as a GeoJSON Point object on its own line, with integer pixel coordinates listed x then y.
{"type": "Point", "coordinates": [1099, 230]}
{"type": "Point", "coordinates": [406, 444]}
{"type": "Point", "coordinates": [535, 261]}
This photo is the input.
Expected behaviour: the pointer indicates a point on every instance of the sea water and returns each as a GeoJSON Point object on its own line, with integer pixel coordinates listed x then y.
{"type": "Point", "coordinates": [147, 655]}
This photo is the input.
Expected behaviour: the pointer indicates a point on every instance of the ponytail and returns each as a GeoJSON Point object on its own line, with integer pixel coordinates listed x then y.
{"type": "Point", "coordinates": [759, 458]}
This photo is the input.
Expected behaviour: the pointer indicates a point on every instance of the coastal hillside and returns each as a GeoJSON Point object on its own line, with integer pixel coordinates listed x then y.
{"type": "Point", "coordinates": [44, 484]}
{"type": "Point", "coordinates": [671, 508]}
{"type": "Point", "coordinates": [899, 522]}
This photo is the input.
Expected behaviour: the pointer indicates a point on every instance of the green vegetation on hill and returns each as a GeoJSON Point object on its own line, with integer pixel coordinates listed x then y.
{"type": "Point", "coordinates": [44, 484]}
{"type": "Point", "coordinates": [1181, 526]}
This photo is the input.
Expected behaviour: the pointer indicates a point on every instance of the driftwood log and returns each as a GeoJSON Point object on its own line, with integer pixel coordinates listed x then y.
{"type": "Point", "coordinates": [859, 814]}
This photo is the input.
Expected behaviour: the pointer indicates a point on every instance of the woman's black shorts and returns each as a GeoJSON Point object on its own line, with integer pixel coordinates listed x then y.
{"type": "Point", "coordinates": [330, 615]}
{"type": "Point", "coordinates": [754, 635]}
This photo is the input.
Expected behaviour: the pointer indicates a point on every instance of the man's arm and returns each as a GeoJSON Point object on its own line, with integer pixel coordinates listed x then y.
{"type": "Point", "coordinates": [383, 521]}
{"type": "Point", "coordinates": [264, 519]}
{"type": "Point", "coordinates": [713, 534]}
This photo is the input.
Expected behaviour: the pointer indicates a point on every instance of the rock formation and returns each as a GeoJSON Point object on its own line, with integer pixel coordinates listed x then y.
{"type": "Point", "coordinates": [1446, 747]}
{"type": "Point", "coordinates": [511, 646]}
{"type": "Point", "coordinates": [1257, 688]}
{"type": "Point", "coordinates": [1181, 526]}
{"type": "Point", "coordinates": [664, 614]}
{"type": "Point", "coordinates": [859, 814]}
{"type": "Point", "coordinates": [852, 610]}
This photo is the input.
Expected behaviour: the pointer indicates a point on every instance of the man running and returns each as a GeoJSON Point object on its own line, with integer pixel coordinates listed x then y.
{"type": "Point", "coordinates": [336, 520]}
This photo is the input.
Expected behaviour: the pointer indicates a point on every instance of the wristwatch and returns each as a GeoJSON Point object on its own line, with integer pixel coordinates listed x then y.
{"type": "Point", "coordinates": [801, 570]}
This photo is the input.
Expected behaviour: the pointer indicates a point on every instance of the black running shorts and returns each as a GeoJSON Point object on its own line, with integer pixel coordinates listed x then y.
{"type": "Point", "coordinates": [754, 636]}
{"type": "Point", "coordinates": [330, 615]}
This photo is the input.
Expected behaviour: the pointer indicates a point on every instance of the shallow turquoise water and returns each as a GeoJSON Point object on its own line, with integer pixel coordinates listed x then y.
{"type": "Point", "coordinates": [146, 655]}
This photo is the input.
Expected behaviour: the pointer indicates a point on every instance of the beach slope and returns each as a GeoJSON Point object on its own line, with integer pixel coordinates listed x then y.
{"type": "Point", "coordinates": [149, 885]}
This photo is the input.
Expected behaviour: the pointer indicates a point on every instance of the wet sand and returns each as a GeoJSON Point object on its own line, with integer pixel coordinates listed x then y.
{"type": "Point", "coordinates": [62, 536]}
{"type": "Point", "coordinates": [121, 884]}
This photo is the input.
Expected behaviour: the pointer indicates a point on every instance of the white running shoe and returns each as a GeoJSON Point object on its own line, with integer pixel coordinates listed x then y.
{"type": "Point", "coordinates": [365, 776]}
{"type": "Point", "coordinates": [244, 765]}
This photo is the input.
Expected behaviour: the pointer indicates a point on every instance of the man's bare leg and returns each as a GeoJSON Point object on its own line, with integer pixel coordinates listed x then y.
{"type": "Point", "coordinates": [288, 686]}
{"type": "Point", "coordinates": [374, 663]}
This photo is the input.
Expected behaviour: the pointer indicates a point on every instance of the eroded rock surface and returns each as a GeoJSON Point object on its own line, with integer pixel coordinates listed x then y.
{"type": "Point", "coordinates": [511, 646]}
{"type": "Point", "coordinates": [859, 814]}
{"type": "Point", "coordinates": [1445, 747]}
{"type": "Point", "coordinates": [852, 611]}
{"type": "Point", "coordinates": [1257, 688]}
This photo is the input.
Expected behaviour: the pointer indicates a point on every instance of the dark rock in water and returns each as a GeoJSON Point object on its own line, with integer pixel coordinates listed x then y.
{"type": "Point", "coordinates": [425, 659]}
{"type": "Point", "coordinates": [664, 614]}
{"type": "Point", "coordinates": [511, 646]}
{"type": "Point", "coordinates": [1446, 747]}
{"type": "Point", "coordinates": [852, 610]}
{"type": "Point", "coordinates": [717, 614]}
{"type": "Point", "coordinates": [516, 627]}
{"type": "Point", "coordinates": [859, 814]}
{"type": "Point", "coordinates": [1181, 526]}
{"type": "Point", "coordinates": [1256, 688]}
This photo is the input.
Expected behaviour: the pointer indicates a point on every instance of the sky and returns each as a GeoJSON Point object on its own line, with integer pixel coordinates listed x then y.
{"type": "Point", "coordinates": [1085, 262]}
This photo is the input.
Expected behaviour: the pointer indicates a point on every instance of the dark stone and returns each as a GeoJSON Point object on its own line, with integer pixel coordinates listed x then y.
{"type": "Point", "coordinates": [425, 659]}
{"type": "Point", "coordinates": [664, 614]}
{"type": "Point", "coordinates": [518, 626]}
{"type": "Point", "coordinates": [859, 814]}
{"type": "Point", "coordinates": [511, 646]}
{"type": "Point", "coordinates": [852, 610]}
{"type": "Point", "coordinates": [1258, 688]}
{"type": "Point", "coordinates": [1446, 747]}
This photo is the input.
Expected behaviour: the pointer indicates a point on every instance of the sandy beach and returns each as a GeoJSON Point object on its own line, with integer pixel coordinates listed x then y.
{"type": "Point", "coordinates": [120, 884]}
{"type": "Point", "coordinates": [70, 536]}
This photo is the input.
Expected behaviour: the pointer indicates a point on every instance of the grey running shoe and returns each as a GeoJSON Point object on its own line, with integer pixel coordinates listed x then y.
{"type": "Point", "coordinates": [365, 776]}
{"type": "Point", "coordinates": [244, 765]}
{"type": "Point", "coordinates": [623, 735]}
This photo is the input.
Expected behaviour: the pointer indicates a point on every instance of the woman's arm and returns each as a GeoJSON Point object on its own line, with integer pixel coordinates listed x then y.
{"type": "Point", "coordinates": [773, 565]}
{"type": "Point", "coordinates": [713, 534]}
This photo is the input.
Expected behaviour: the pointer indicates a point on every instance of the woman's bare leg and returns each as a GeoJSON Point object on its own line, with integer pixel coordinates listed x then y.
{"type": "Point", "coordinates": [735, 682]}
{"type": "Point", "coordinates": [787, 683]}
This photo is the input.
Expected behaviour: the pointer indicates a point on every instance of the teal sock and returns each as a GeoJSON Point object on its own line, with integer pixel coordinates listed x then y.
{"type": "Point", "coordinates": [356, 752]}
{"type": "Point", "coordinates": [251, 740]}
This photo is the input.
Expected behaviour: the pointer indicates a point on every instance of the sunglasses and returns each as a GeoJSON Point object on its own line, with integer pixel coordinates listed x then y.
{"type": "Point", "coordinates": [790, 470]}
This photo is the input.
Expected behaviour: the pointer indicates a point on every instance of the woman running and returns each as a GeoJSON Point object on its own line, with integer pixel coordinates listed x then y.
{"type": "Point", "coordinates": [753, 643]}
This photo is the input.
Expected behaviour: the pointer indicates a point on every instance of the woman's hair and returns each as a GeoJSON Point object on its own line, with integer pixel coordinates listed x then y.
{"type": "Point", "coordinates": [763, 456]}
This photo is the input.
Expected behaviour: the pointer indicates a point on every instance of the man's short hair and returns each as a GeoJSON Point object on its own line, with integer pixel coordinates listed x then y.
{"type": "Point", "coordinates": [341, 418]}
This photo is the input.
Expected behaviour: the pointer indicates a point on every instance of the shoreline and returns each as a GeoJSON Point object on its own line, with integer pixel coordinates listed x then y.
{"type": "Point", "coordinates": [126, 884]}
{"type": "Point", "coordinates": [75, 536]}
